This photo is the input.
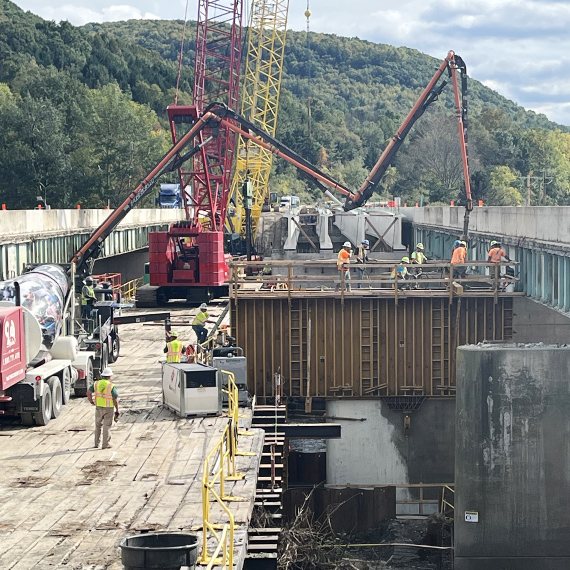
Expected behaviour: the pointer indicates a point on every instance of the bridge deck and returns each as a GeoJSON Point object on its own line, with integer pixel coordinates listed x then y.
{"type": "Point", "coordinates": [65, 503]}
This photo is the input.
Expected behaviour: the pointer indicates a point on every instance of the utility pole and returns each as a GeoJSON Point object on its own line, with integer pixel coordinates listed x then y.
{"type": "Point", "coordinates": [545, 180]}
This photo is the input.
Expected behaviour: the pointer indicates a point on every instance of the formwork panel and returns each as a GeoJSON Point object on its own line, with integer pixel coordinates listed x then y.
{"type": "Point", "coordinates": [362, 347]}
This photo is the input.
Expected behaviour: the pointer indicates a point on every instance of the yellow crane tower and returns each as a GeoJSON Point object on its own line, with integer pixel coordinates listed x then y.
{"type": "Point", "coordinates": [260, 101]}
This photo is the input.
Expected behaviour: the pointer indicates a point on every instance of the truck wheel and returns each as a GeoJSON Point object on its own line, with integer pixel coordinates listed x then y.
{"type": "Point", "coordinates": [115, 348]}
{"type": "Point", "coordinates": [82, 392]}
{"type": "Point", "coordinates": [43, 417]}
{"type": "Point", "coordinates": [66, 386]}
{"type": "Point", "coordinates": [27, 419]}
{"type": "Point", "coordinates": [54, 384]}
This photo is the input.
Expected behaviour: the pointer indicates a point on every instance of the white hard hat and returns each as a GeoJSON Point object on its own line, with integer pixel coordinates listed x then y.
{"type": "Point", "coordinates": [203, 306]}
{"type": "Point", "coordinates": [107, 372]}
{"type": "Point", "coordinates": [346, 244]}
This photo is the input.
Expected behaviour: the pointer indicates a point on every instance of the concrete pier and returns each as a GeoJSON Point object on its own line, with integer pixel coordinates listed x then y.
{"type": "Point", "coordinates": [512, 458]}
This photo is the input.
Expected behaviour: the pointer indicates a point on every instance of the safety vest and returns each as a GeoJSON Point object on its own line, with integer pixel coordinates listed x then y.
{"type": "Point", "coordinates": [174, 351]}
{"type": "Point", "coordinates": [362, 254]}
{"type": "Point", "coordinates": [343, 257]}
{"type": "Point", "coordinates": [496, 255]}
{"type": "Point", "coordinates": [200, 318]}
{"type": "Point", "coordinates": [103, 397]}
{"type": "Point", "coordinates": [86, 299]}
{"type": "Point", "coordinates": [401, 270]}
{"type": "Point", "coordinates": [418, 257]}
{"type": "Point", "coordinates": [459, 255]}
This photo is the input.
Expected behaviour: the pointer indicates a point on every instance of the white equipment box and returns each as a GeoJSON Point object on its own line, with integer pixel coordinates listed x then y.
{"type": "Point", "coordinates": [236, 365]}
{"type": "Point", "coordinates": [191, 389]}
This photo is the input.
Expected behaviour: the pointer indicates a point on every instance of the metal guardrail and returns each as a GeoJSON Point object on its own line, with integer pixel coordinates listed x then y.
{"type": "Point", "coordinates": [294, 278]}
{"type": "Point", "coordinates": [129, 289]}
{"type": "Point", "coordinates": [219, 467]}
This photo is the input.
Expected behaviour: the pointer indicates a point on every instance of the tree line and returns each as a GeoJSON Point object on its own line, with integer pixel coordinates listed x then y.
{"type": "Point", "coordinates": [83, 114]}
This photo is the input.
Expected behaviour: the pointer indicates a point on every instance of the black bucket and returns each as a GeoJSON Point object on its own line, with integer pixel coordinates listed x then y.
{"type": "Point", "coordinates": [166, 551]}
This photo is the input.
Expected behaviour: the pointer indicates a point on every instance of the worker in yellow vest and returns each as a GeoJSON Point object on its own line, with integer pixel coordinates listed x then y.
{"type": "Point", "coordinates": [104, 396]}
{"type": "Point", "coordinates": [174, 348]}
{"type": "Point", "coordinates": [198, 323]}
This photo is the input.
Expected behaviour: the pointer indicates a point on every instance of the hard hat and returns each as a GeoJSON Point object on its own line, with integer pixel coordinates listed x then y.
{"type": "Point", "coordinates": [420, 246]}
{"type": "Point", "coordinates": [173, 334]}
{"type": "Point", "coordinates": [365, 242]}
{"type": "Point", "coordinates": [88, 280]}
{"type": "Point", "coordinates": [107, 372]}
{"type": "Point", "coordinates": [463, 243]}
{"type": "Point", "coordinates": [456, 243]}
{"type": "Point", "coordinates": [346, 244]}
{"type": "Point", "coordinates": [203, 307]}
{"type": "Point", "coordinates": [405, 259]}
{"type": "Point", "coordinates": [494, 243]}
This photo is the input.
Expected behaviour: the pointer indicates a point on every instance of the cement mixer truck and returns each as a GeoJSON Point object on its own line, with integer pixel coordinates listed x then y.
{"type": "Point", "coordinates": [40, 361]}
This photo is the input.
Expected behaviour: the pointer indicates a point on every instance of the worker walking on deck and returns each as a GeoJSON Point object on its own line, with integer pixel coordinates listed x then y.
{"type": "Point", "coordinates": [343, 265]}
{"type": "Point", "coordinates": [458, 257]}
{"type": "Point", "coordinates": [361, 259]}
{"type": "Point", "coordinates": [198, 323]}
{"type": "Point", "coordinates": [104, 396]}
{"type": "Point", "coordinates": [173, 348]}
{"type": "Point", "coordinates": [497, 253]}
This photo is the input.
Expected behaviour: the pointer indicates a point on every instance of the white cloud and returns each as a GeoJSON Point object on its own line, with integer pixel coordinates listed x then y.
{"type": "Point", "coordinates": [79, 15]}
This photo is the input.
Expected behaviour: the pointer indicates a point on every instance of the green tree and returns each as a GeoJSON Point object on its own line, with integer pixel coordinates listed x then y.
{"type": "Point", "coordinates": [126, 141]}
{"type": "Point", "coordinates": [502, 191]}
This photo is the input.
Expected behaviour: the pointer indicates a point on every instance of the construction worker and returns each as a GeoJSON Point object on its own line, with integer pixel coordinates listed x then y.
{"type": "Point", "coordinates": [198, 323]}
{"type": "Point", "coordinates": [361, 259]}
{"type": "Point", "coordinates": [496, 253]}
{"type": "Point", "coordinates": [458, 257]}
{"type": "Point", "coordinates": [343, 264]}
{"type": "Point", "coordinates": [173, 348]}
{"type": "Point", "coordinates": [418, 255]}
{"type": "Point", "coordinates": [88, 298]}
{"type": "Point", "coordinates": [104, 396]}
{"type": "Point", "coordinates": [400, 269]}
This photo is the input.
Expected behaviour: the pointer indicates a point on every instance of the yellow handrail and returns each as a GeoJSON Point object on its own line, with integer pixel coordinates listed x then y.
{"type": "Point", "coordinates": [129, 289]}
{"type": "Point", "coordinates": [224, 452]}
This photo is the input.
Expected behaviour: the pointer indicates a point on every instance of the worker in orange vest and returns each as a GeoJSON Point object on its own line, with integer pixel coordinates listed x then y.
{"type": "Point", "coordinates": [343, 264]}
{"type": "Point", "coordinates": [458, 257]}
{"type": "Point", "coordinates": [496, 253]}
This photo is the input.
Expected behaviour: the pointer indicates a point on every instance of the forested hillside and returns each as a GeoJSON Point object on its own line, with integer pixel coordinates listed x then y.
{"type": "Point", "coordinates": [83, 114]}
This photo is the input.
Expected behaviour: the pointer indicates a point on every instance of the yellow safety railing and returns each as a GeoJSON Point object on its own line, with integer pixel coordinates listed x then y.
{"type": "Point", "coordinates": [448, 491]}
{"type": "Point", "coordinates": [222, 458]}
{"type": "Point", "coordinates": [129, 289]}
{"type": "Point", "coordinates": [233, 409]}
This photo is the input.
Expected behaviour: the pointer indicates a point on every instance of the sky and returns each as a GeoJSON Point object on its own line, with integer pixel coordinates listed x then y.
{"type": "Point", "coordinates": [520, 48]}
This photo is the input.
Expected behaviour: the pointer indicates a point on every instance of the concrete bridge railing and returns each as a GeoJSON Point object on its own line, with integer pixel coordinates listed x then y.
{"type": "Point", "coordinates": [537, 237]}
{"type": "Point", "coordinates": [53, 236]}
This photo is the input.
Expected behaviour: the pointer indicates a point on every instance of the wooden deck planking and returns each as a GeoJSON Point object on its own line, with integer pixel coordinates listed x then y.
{"type": "Point", "coordinates": [88, 499]}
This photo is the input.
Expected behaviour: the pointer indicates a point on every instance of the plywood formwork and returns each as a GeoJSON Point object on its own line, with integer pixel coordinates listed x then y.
{"type": "Point", "coordinates": [362, 347]}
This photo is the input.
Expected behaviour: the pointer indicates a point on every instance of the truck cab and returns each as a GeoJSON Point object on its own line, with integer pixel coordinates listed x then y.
{"type": "Point", "coordinates": [169, 196]}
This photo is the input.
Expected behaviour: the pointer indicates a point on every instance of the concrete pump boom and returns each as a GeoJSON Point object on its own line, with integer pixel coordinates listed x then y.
{"type": "Point", "coordinates": [218, 116]}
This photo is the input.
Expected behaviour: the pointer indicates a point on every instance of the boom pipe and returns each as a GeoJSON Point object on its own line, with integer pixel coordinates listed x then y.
{"type": "Point", "coordinates": [427, 97]}
{"type": "Point", "coordinates": [266, 141]}
{"type": "Point", "coordinates": [168, 163]}
{"type": "Point", "coordinates": [461, 112]}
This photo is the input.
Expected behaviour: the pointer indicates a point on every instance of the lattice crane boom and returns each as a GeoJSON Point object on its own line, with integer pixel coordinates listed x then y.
{"type": "Point", "coordinates": [259, 104]}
